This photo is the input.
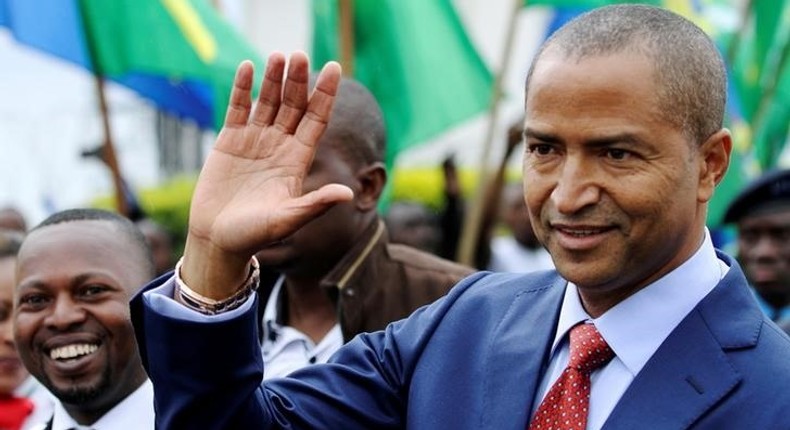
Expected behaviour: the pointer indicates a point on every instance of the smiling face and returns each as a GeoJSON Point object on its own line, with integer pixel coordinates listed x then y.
{"type": "Point", "coordinates": [615, 192]}
{"type": "Point", "coordinates": [72, 323]}
{"type": "Point", "coordinates": [12, 372]}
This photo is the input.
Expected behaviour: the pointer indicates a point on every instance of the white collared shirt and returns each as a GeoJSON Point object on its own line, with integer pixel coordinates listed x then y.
{"type": "Point", "coordinates": [507, 255]}
{"type": "Point", "coordinates": [135, 412]}
{"type": "Point", "coordinates": [634, 328]}
{"type": "Point", "coordinates": [285, 348]}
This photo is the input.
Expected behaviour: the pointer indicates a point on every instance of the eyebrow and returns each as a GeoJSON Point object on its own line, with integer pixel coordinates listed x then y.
{"type": "Point", "coordinates": [545, 137]}
{"type": "Point", "coordinates": [622, 138]}
{"type": "Point", "coordinates": [77, 280]}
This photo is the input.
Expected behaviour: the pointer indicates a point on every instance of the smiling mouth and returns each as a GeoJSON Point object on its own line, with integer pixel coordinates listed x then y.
{"type": "Point", "coordinates": [73, 351]}
{"type": "Point", "coordinates": [582, 231]}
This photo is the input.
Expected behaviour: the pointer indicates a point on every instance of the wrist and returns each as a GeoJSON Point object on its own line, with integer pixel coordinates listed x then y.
{"type": "Point", "coordinates": [207, 306]}
{"type": "Point", "coordinates": [211, 271]}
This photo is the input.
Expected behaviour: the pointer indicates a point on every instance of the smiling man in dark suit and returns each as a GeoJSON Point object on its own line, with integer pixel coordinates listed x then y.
{"type": "Point", "coordinates": [643, 325]}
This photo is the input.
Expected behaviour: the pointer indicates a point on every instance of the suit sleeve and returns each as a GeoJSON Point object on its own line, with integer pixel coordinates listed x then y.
{"type": "Point", "coordinates": [209, 375]}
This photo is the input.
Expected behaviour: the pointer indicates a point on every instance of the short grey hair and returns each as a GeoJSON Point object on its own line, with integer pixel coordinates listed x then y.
{"type": "Point", "coordinates": [689, 70]}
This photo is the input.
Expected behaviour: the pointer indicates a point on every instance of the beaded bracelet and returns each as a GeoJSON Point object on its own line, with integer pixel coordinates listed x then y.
{"type": "Point", "coordinates": [209, 306]}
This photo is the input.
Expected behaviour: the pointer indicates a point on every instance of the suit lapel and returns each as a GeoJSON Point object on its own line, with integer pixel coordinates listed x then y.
{"type": "Point", "coordinates": [688, 374]}
{"type": "Point", "coordinates": [518, 354]}
{"type": "Point", "coordinates": [691, 373]}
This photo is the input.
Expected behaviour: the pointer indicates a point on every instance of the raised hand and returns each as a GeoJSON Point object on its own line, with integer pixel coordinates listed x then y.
{"type": "Point", "coordinates": [249, 193]}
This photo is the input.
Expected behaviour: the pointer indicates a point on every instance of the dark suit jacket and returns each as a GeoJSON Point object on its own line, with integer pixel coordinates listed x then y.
{"type": "Point", "coordinates": [472, 360]}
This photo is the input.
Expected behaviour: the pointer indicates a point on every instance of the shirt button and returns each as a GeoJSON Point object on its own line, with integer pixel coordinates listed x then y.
{"type": "Point", "coordinates": [312, 360]}
{"type": "Point", "coordinates": [349, 292]}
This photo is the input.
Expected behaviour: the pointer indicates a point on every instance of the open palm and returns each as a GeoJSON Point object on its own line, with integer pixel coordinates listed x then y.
{"type": "Point", "coordinates": [249, 193]}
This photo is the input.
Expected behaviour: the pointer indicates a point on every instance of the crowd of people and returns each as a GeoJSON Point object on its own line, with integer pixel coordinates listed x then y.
{"type": "Point", "coordinates": [295, 304]}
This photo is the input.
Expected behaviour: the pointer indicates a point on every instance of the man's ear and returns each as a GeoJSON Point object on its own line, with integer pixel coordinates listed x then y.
{"type": "Point", "coordinates": [371, 179]}
{"type": "Point", "coordinates": [714, 160]}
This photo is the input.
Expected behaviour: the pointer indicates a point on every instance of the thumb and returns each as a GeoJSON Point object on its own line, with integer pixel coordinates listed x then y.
{"type": "Point", "coordinates": [315, 203]}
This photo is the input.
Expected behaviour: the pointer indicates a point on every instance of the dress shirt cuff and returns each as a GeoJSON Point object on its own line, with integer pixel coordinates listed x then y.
{"type": "Point", "coordinates": [161, 301]}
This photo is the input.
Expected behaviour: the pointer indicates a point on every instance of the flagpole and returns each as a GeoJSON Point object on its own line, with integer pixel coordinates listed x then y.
{"type": "Point", "coordinates": [108, 149]}
{"type": "Point", "coordinates": [474, 218]}
{"type": "Point", "coordinates": [346, 29]}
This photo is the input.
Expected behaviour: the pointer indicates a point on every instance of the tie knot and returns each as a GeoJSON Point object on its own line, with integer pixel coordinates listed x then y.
{"type": "Point", "coordinates": [589, 350]}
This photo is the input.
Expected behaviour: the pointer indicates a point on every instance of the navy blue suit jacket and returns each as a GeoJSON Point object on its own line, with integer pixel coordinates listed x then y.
{"type": "Point", "coordinates": [472, 360]}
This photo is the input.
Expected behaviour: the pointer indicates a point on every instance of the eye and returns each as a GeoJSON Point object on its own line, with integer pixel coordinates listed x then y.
{"type": "Point", "coordinates": [91, 290]}
{"type": "Point", "coordinates": [33, 301]}
{"type": "Point", "coordinates": [783, 233]}
{"type": "Point", "coordinates": [540, 148]}
{"type": "Point", "coordinates": [617, 153]}
{"type": "Point", "coordinates": [747, 235]}
{"type": "Point", "coordinates": [5, 311]}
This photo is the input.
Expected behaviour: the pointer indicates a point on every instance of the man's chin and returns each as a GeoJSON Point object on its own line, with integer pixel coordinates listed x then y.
{"type": "Point", "coordinates": [79, 395]}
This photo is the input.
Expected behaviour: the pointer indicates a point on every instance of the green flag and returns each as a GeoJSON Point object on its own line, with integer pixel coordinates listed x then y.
{"type": "Point", "coordinates": [762, 84]}
{"type": "Point", "coordinates": [762, 77]}
{"type": "Point", "coordinates": [416, 59]}
{"type": "Point", "coordinates": [177, 40]}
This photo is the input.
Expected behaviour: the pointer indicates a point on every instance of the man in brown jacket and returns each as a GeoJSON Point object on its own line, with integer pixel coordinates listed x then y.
{"type": "Point", "coordinates": [338, 275]}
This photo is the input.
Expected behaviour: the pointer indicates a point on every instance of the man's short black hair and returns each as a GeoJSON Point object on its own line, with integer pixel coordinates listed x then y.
{"type": "Point", "coordinates": [124, 226]}
{"type": "Point", "coordinates": [356, 129]}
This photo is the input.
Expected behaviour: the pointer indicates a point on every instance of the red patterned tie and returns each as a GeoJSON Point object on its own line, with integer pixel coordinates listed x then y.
{"type": "Point", "coordinates": [565, 405]}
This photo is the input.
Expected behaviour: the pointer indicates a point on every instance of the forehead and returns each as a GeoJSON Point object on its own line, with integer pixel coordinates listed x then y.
{"type": "Point", "coordinates": [72, 248]}
{"type": "Point", "coordinates": [599, 84]}
{"type": "Point", "coordinates": [776, 217]}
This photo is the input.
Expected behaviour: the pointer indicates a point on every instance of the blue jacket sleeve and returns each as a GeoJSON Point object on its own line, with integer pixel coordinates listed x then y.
{"type": "Point", "coordinates": [208, 375]}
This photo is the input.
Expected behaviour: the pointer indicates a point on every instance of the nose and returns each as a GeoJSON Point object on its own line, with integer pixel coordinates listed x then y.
{"type": "Point", "coordinates": [65, 314]}
{"type": "Point", "coordinates": [576, 187]}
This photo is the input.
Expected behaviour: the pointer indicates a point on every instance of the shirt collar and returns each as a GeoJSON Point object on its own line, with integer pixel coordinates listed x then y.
{"type": "Point", "coordinates": [136, 411]}
{"type": "Point", "coordinates": [348, 265]}
{"type": "Point", "coordinates": [637, 326]}
{"type": "Point", "coordinates": [271, 312]}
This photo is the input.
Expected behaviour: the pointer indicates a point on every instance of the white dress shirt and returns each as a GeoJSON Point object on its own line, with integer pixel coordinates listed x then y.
{"type": "Point", "coordinates": [135, 412]}
{"type": "Point", "coordinates": [285, 348]}
{"type": "Point", "coordinates": [634, 328]}
{"type": "Point", "coordinates": [507, 255]}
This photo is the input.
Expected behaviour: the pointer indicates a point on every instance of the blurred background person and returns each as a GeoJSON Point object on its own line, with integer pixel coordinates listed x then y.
{"type": "Point", "coordinates": [12, 219]}
{"type": "Point", "coordinates": [413, 224]}
{"type": "Point", "coordinates": [160, 240]}
{"type": "Point", "coordinates": [519, 249]}
{"type": "Point", "coordinates": [762, 215]}
{"type": "Point", "coordinates": [339, 274]}
{"type": "Point", "coordinates": [23, 401]}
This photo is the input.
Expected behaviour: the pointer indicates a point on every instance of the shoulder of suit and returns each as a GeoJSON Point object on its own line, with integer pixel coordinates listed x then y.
{"type": "Point", "coordinates": [503, 286]}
